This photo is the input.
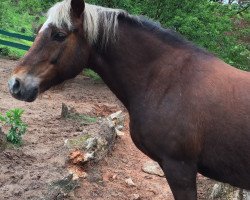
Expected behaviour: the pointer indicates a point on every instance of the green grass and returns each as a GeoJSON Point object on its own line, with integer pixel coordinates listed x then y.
{"type": "Point", "coordinates": [91, 74]}
{"type": "Point", "coordinates": [83, 119]}
{"type": "Point", "coordinates": [22, 17]}
{"type": "Point", "coordinates": [11, 51]}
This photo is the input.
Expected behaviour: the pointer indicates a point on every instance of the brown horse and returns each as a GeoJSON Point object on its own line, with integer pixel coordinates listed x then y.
{"type": "Point", "coordinates": [188, 110]}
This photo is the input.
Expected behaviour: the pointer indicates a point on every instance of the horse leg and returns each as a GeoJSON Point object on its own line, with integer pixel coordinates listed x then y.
{"type": "Point", "coordinates": [181, 177]}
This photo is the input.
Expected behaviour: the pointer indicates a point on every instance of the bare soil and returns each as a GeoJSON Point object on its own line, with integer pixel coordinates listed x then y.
{"type": "Point", "coordinates": [26, 172]}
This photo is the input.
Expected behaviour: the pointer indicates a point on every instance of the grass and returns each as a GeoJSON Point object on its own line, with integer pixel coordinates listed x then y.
{"type": "Point", "coordinates": [83, 119]}
{"type": "Point", "coordinates": [11, 51]}
{"type": "Point", "coordinates": [91, 74]}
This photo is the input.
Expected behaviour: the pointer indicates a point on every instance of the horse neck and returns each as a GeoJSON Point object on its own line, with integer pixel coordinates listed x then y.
{"type": "Point", "coordinates": [128, 65]}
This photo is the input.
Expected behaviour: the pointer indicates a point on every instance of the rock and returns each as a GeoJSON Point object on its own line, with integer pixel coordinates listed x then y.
{"type": "Point", "coordinates": [216, 192]}
{"type": "Point", "coordinates": [119, 133]}
{"type": "Point", "coordinates": [246, 195]}
{"type": "Point", "coordinates": [153, 168]}
{"type": "Point", "coordinates": [118, 119]}
{"type": "Point", "coordinates": [89, 156]}
{"type": "Point", "coordinates": [3, 142]}
{"type": "Point", "coordinates": [65, 111]}
{"type": "Point", "coordinates": [116, 115]}
{"type": "Point", "coordinates": [79, 142]}
{"type": "Point", "coordinates": [223, 191]}
{"type": "Point", "coordinates": [130, 182]}
{"type": "Point", "coordinates": [45, 96]}
{"type": "Point", "coordinates": [135, 197]}
{"type": "Point", "coordinates": [94, 144]}
{"type": "Point", "coordinates": [119, 127]}
{"type": "Point", "coordinates": [114, 176]}
{"type": "Point", "coordinates": [62, 188]}
{"type": "Point", "coordinates": [91, 143]}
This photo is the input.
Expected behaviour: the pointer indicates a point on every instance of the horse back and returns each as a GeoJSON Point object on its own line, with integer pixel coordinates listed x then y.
{"type": "Point", "coordinates": [225, 154]}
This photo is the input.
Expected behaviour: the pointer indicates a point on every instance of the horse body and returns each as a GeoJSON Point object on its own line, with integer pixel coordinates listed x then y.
{"type": "Point", "coordinates": [227, 131]}
{"type": "Point", "coordinates": [188, 110]}
{"type": "Point", "coordinates": [186, 105]}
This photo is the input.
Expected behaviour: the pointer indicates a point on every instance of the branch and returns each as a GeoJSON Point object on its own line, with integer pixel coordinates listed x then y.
{"type": "Point", "coordinates": [248, 6]}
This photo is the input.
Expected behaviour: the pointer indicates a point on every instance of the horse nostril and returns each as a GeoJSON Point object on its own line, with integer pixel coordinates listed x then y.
{"type": "Point", "coordinates": [15, 85]}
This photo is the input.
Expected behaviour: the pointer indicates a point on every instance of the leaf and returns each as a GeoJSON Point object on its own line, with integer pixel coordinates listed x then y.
{"type": "Point", "coordinates": [17, 126]}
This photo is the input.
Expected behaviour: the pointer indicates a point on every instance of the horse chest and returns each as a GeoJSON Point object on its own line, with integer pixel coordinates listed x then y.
{"type": "Point", "coordinates": [155, 136]}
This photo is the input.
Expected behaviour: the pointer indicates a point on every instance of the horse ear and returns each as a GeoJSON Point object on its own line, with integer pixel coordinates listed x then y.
{"type": "Point", "coordinates": [77, 7]}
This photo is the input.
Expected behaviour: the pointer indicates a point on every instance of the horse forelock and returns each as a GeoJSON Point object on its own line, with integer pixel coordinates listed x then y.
{"type": "Point", "coordinates": [59, 15]}
{"type": "Point", "coordinates": [99, 23]}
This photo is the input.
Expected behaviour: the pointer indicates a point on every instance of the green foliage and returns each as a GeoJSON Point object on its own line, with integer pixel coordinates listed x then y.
{"type": "Point", "coordinates": [208, 24]}
{"type": "Point", "coordinates": [83, 119]}
{"type": "Point", "coordinates": [91, 74]}
{"type": "Point", "coordinates": [22, 17]}
{"type": "Point", "coordinates": [222, 29]}
{"type": "Point", "coordinates": [17, 127]}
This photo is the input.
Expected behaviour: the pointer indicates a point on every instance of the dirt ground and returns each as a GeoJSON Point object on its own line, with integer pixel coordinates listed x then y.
{"type": "Point", "coordinates": [26, 172]}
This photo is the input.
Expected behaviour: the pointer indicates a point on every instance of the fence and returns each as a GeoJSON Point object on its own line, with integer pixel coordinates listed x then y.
{"type": "Point", "coordinates": [14, 44]}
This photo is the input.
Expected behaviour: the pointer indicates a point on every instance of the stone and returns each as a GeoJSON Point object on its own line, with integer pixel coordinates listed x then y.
{"type": "Point", "coordinates": [100, 140]}
{"type": "Point", "coordinates": [222, 191]}
{"type": "Point", "coordinates": [119, 133]}
{"type": "Point", "coordinates": [89, 156]}
{"type": "Point", "coordinates": [79, 142]}
{"type": "Point", "coordinates": [65, 111]}
{"type": "Point", "coordinates": [135, 197]}
{"type": "Point", "coordinates": [91, 143]}
{"type": "Point", "coordinates": [116, 115]}
{"type": "Point", "coordinates": [152, 168]}
{"type": "Point", "coordinates": [216, 191]}
{"type": "Point", "coordinates": [119, 127]}
{"type": "Point", "coordinates": [61, 188]}
{"type": "Point", "coordinates": [3, 142]}
{"type": "Point", "coordinates": [118, 119]}
{"type": "Point", "coordinates": [130, 182]}
{"type": "Point", "coordinates": [246, 195]}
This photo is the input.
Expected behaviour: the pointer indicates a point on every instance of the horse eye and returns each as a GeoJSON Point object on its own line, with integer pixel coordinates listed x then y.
{"type": "Point", "coordinates": [59, 37]}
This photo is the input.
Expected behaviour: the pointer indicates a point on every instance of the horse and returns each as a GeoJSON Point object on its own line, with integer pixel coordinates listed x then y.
{"type": "Point", "coordinates": [189, 111]}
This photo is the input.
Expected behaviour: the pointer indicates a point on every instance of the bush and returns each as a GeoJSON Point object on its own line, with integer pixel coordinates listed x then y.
{"type": "Point", "coordinates": [17, 127]}
{"type": "Point", "coordinates": [222, 29]}
{"type": "Point", "coordinates": [91, 74]}
{"type": "Point", "coordinates": [208, 24]}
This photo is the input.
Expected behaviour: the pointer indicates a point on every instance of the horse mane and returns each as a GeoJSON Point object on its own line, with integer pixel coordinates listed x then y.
{"type": "Point", "coordinates": [101, 24]}
{"type": "Point", "coordinates": [98, 20]}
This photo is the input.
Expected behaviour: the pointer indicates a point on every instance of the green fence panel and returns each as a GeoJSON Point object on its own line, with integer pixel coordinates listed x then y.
{"type": "Point", "coordinates": [16, 35]}
{"type": "Point", "coordinates": [15, 45]}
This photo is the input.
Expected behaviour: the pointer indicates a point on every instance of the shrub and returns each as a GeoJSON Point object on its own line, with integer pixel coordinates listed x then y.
{"type": "Point", "coordinates": [91, 74]}
{"type": "Point", "coordinates": [17, 127]}
{"type": "Point", "coordinates": [208, 24]}
{"type": "Point", "coordinates": [222, 29]}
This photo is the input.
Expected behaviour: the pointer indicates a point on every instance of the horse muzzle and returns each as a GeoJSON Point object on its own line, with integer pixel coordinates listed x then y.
{"type": "Point", "coordinates": [24, 89]}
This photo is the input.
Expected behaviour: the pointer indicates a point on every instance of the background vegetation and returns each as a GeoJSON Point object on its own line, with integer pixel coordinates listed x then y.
{"type": "Point", "coordinates": [222, 29]}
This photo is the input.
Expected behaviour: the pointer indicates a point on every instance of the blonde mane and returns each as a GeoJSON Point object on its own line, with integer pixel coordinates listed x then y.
{"type": "Point", "coordinates": [97, 20]}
